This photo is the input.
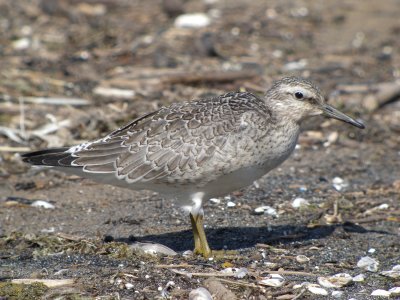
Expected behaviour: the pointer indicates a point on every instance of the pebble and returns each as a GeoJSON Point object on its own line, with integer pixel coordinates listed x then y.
{"type": "Point", "coordinates": [371, 250]}
{"type": "Point", "coordinates": [43, 204]}
{"type": "Point", "coordinates": [302, 259]}
{"type": "Point", "coordinates": [187, 253]}
{"type": "Point", "coordinates": [295, 65]}
{"type": "Point", "coordinates": [332, 138]}
{"type": "Point", "coordinates": [338, 183]}
{"type": "Point", "coordinates": [337, 294]}
{"type": "Point", "coordinates": [197, 20]}
{"type": "Point", "coordinates": [274, 280]}
{"type": "Point", "coordinates": [335, 281]}
{"type": "Point", "coordinates": [21, 44]}
{"type": "Point", "coordinates": [381, 293]}
{"type": "Point", "coordinates": [303, 189]}
{"type": "Point", "coordinates": [231, 204]}
{"type": "Point", "coordinates": [237, 272]}
{"type": "Point", "coordinates": [270, 265]}
{"type": "Point", "coordinates": [256, 184]}
{"type": "Point", "coordinates": [129, 286]}
{"type": "Point", "coordinates": [48, 230]}
{"type": "Point", "coordinates": [300, 202]}
{"type": "Point", "coordinates": [369, 264]}
{"type": "Point", "coordinates": [215, 200]}
{"type": "Point", "coordinates": [200, 294]}
{"type": "Point", "coordinates": [267, 210]}
{"type": "Point", "coordinates": [359, 278]}
{"type": "Point", "coordinates": [383, 206]}
{"type": "Point", "coordinates": [241, 273]}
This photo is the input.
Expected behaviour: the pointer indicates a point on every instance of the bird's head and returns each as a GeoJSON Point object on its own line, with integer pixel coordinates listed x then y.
{"type": "Point", "coordinates": [299, 98]}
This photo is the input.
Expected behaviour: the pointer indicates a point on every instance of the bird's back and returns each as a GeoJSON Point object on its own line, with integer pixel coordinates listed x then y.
{"type": "Point", "coordinates": [185, 144]}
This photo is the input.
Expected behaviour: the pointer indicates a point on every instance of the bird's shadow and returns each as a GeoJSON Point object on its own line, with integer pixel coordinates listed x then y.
{"type": "Point", "coordinates": [235, 238]}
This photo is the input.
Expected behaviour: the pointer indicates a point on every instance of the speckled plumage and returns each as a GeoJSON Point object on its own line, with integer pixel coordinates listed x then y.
{"type": "Point", "coordinates": [185, 146]}
{"type": "Point", "coordinates": [192, 151]}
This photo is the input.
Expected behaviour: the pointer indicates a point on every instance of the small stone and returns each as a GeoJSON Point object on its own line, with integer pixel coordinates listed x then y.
{"type": "Point", "coordinates": [187, 253]}
{"type": "Point", "coordinates": [339, 184]}
{"type": "Point", "coordinates": [21, 44]}
{"type": "Point", "coordinates": [295, 65]}
{"type": "Point", "coordinates": [231, 204]}
{"type": "Point", "coordinates": [302, 259]}
{"type": "Point", "coordinates": [241, 273]}
{"type": "Point", "coordinates": [332, 138]}
{"type": "Point", "coordinates": [200, 294]}
{"type": "Point", "coordinates": [267, 210]}
{"type": "Point", "coordinates": [303, 189]}
{"type": "Point", "coordinates": [43, 204]}
{"type": "Point", "coordinates": [274, 280]}
{"type": "Point", "coordinates": [335, 281]}
{"type": "Point", "coordinates": [317, 289]}
{"type": "Point", "coordinates": [359, 278]}
{"type": "Point", "coordinates": [270, 265]}
{"type": "Point", "coordinates": [337, 294]}
{"type": "Point", "coordinates": [197, 20]}
{"type": "Point", "coordinates": [129, 286]}
{"type": "Point", "coordinates": [383, 206]}
{"type": "Point", "coordinates": [381, 293]}
{"type": "Point", "coordinates": [371, 250]}
{"type": "Point", "coordinates": [237, 272]}
{"type": "Point", "coordinates": [300, 202]}
{"type": "Point", "coordinates": [215, 200]}
{"type": "Point", "coordinates": [369, 264]}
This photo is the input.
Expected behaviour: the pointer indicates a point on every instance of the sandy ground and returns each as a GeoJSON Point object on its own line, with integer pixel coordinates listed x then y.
{"type": "Point", "coordinates": [72, 48]}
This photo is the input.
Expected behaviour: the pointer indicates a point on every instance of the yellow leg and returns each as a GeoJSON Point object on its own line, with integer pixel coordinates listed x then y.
{"type": "Point", "coordinates": [200, 240]}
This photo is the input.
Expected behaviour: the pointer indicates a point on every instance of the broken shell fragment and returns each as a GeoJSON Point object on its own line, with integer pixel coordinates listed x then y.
{"type": "Point", "coordinates": [368, 263]}
{"type": "Point", "coordinates": [317, 289]}
{"type": "Point", "coordinates": [393, 273]}
{"type": "Point", "coordinates": [274, 280]}
{"type": "Point", "coordinates": [154, 248]}
{"type": "Point", "coordinates": [335, 281]}
{"type": "Point", "coordinates": [381, 293]}
{"type": "Point", "coordinates": [302, 259]}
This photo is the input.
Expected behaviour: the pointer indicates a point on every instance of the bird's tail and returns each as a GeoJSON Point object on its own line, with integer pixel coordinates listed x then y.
{"type": "Point", "coordinates": [56, 157]}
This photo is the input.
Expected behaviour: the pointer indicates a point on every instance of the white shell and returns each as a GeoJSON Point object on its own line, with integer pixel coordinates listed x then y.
{"type": "Point", "coordinates": [335, 281]}
{"type": "Point", "coordinates": [268, 210]}
{"type": "Point", "coordinates": [381, 293]}
{"type": "Point", "coordinates": [43, 204]}
{"type": "Point", "coordinates": [300, 202]}
{"type": "Point", "coordinates": [302, 259]}
{"type": "Point", "coordinates": [192, 21]}
{"type": "Point", "coordinates": [317, 289]}
{"type": "Point", "coordinates": [393, 273]}
{"type": "Point", "coordinates": [359, 278]}
{"type": "Point", "coordinates": [274, 280]}
{"type": "Point", "coordinates": [368, 263]}
{"type": "Point", "coordinates": [337, 294]}
{"type": "Point", "coordinates": [395, 290]}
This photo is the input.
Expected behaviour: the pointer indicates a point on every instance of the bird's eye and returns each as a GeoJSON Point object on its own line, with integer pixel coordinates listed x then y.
{"type": "Point", "coordinates": [299, 95]}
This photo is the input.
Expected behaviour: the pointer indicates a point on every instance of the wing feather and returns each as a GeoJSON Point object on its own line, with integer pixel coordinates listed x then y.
{"type": "Point", "coordinates": [171, 143]}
